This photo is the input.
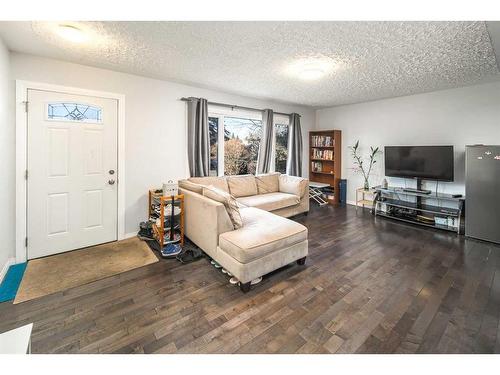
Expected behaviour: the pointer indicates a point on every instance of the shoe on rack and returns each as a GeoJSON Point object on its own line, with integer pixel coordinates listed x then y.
{"type": "Point", "coordinates": [234, 281]}
{"type": "Point", "coordinates": [168, 210]}
{"type": "Point", "coordinates": [166, 237]}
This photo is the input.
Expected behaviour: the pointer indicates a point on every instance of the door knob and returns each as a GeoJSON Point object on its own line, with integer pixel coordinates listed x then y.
{"type": "Point", "coordinates": [111, 182]}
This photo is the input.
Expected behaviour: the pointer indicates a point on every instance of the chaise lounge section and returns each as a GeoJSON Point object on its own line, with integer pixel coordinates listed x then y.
{"type": "Point", "coordinates": [266, 240]}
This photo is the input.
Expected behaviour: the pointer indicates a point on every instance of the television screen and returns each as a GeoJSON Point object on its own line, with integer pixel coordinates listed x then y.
{"type": "Point", "coordinates": [424, 162]}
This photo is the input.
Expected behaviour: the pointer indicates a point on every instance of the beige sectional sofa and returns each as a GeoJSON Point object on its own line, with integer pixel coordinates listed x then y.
{"type": "Point", "coordinates": [267, 240]}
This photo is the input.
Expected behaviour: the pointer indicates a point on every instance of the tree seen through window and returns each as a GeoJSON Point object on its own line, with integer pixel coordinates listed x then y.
{"type": "Point", "coordinates": [241, 145]}
{"type": "Point", "coordinates": [281, 147]}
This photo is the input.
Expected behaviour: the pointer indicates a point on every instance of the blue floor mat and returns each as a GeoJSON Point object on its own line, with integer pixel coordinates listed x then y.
{"type": "Point", "coordinates": [11, 281]}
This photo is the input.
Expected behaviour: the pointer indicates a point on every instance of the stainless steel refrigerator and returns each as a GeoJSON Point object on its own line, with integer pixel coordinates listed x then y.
{"type": "Point", "coordinates": [482, 192]}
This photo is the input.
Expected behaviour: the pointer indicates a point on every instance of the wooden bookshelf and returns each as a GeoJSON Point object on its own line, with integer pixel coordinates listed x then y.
{"type": "Point", "coordinates": [325, 159]}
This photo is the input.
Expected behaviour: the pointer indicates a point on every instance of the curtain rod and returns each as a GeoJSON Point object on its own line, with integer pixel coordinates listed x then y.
{"type": "Point", "coordinates": [239, 106]}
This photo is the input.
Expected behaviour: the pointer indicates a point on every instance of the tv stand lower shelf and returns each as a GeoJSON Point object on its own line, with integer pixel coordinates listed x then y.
{"type": "Point", "coordinates": [389, 204]}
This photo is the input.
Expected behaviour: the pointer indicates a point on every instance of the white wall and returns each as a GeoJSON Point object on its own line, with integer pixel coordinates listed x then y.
{"type": "Point", "coordinates": [457, 117]}
{"type": "Point", "coordinates": [155, 121]}
{"type": "Point", "coordinates": [7, 208]}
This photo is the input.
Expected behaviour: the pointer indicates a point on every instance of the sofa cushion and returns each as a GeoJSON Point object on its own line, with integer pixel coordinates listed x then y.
{"type": "Point", "coordinates": [268, 183]}
{"type": "Point", "coordinates": [228, 201]}
{"type": "Point", "coordinates": [293, 185]}
{"type": "Point", "coordinates": [191, 186]}
{"type": "Point", "coordinates": [262, 233]}
{"type": "Point", "coordinates": [218, 182]}
{"type": "Point", "coordinates": [242, 186]}
{"type": "Point", "coordinates": [270, 201]}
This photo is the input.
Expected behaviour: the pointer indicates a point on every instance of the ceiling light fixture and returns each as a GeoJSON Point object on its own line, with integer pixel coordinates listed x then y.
{"type": "Point", "coordinates": [72, 33]}
{"type": "Point", "coordinates": [311, 74]}
{"type": "Point", "coordinates": [311, 68]}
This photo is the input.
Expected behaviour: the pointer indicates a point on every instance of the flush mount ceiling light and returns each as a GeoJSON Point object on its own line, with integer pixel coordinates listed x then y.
{"type": "Point", "coordinates": [311, 69]}
{"type": "Point", "coordinates": [72, 33]}
{"type": "Point", "coordinates": [311, 74]}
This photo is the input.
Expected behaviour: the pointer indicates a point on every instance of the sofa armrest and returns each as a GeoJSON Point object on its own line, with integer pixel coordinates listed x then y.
{"type": "Point", "coordinates": [204, 220]}
{"type": "Point", "coordinates": [293, 185]}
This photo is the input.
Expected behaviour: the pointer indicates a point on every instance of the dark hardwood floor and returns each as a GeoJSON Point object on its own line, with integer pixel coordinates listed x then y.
{"type": "Point", "coordinates": [369, 286]}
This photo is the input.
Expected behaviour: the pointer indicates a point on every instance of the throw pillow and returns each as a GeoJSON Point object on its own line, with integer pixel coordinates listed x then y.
{"type": "Point", "coordinates": [191, 186]}
{"type": "Point", "coordinates": [242, 186]}
{"type": "Point", "coordinates": [218, 182]}
{"type": "Point", "coordinates": [268, 183]}
{"type": "Point", "coordinates": [293, 185]}
{"type": "Point", "coordinates": [229, 203]}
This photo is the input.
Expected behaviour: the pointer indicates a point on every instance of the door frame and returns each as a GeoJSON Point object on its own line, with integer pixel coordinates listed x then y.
{"type": "Point", "coordinates": [21, 221]}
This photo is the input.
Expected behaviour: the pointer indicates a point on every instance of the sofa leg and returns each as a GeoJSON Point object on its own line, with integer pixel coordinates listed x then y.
{"type": "Point", "coordinates": [301, 261]}
{"type": "Point", "coordinates": [245, 287]}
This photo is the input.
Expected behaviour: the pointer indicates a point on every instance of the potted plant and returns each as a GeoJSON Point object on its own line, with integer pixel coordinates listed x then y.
{"type": "Point", "coordinates": [359, 163]}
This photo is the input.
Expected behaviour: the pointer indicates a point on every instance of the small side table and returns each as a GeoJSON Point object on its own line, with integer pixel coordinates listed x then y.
{"type": "Point", "coordinates": [16, 341]}
{"type": "Point", "coordinates": [365, 198]}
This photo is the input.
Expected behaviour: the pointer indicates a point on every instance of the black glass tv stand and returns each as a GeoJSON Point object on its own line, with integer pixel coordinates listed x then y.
{"type": "Point", "coordinates": [420, 191]}
{"type": "Point", "coordinates": [432, 210]}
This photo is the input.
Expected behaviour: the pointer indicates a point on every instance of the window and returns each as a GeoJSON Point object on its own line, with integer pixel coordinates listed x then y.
{"type": "Point", "coordinates": [241, 145]}
{"type": "Point", "coordinates": [235, 138]}
{"type": "Point", "coordinates": [74, 112]}
{"type": "Point", "coordinates": [234, 141]}
{"type": "Point", "coordinates": [213, 128]}
{"type": "Point", "coordinates": [281, 146]}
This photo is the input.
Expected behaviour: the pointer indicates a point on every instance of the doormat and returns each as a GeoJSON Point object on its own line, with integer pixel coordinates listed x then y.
{"type": "Point", "coordinates": [60, 272]}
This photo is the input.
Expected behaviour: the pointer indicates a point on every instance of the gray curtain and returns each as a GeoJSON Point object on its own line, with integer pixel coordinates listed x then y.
{"type": "Point", "coordinates": [198, 138]}
{"type": "Point", "coordinates": [264, 159]}
{"type": "Point", "coordinates": [294, 159]}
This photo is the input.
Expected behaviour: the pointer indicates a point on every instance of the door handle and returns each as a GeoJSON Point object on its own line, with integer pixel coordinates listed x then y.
{"type": "Point", "coordinates": [111, 182]}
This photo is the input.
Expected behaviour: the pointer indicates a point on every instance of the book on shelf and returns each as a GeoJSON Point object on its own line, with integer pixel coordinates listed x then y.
{"type": "Point", "coordinates": [322, 154]}
{"type": "Point", "coordinates": [322, 141]}
{"type": "Point", "coordinates": [317, 166]}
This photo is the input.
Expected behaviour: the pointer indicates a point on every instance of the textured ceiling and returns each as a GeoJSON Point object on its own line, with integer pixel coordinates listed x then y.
{"type": "Point", "coordinates": [371, 60]}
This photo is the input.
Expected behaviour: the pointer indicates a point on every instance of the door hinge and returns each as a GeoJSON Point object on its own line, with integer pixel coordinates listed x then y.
{"type": "Point", "coordinates": [26, 174]}
{"type": "Point", "coordinates": [26, 242]}
{"type": "Point", "coordinates": [26, 106]}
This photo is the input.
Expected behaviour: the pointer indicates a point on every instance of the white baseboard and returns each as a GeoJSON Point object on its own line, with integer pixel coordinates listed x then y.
{"type": "Point", "coordinates": [130, 235]}
{"type": "Point", "coordinates": [353, 203]}
{"type": "Point", "coordinates": [5, 268]}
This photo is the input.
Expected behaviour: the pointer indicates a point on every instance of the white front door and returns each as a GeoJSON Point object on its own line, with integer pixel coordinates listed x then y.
{"type": "Point", "coordinates": [72, 172]}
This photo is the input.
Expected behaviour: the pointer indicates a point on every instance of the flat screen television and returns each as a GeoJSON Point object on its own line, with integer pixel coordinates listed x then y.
{"type": "Point", "coordinates": [422, 162]}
